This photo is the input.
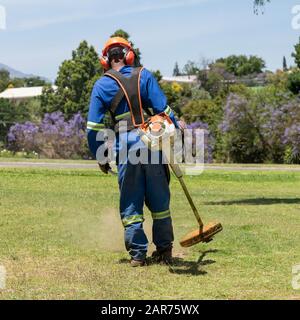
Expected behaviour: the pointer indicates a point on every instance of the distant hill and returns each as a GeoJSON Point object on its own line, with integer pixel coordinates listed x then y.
{"type": "Point", "coordinates": [18, 74]}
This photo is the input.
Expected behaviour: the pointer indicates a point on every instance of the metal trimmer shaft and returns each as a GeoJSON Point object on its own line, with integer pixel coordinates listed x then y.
{"type": "Point", "coordinates": [178, 173]}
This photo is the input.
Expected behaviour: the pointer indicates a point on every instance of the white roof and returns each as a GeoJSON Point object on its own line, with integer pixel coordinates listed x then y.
{"type": "Point", "coordinates": [23, 93]}
{"type": "Point", "coordinates": [184, 79]}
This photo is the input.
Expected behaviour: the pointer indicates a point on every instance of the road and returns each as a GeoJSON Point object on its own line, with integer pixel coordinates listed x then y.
{"type": "Point", "coordinates": [92, 165]}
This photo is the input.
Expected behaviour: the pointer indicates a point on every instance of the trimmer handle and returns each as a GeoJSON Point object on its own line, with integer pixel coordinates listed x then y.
{"type": "Point", "coordinates": [178, 173]}
{"type": "Point", "coordinates": [177, 170]}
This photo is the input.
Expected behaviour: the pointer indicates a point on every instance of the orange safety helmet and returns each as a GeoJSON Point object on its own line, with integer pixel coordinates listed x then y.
{"type": "Point", "coordinates": [113, 42]}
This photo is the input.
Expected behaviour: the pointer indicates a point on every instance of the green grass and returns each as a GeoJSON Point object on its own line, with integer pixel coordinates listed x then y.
{"type": "Point", "coordinates": [4, 159]}
{"type": "Point", "coordinates": [61, 238]}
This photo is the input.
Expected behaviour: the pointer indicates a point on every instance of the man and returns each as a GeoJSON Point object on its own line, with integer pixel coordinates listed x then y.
{"type": "Point", "coordinates": [128, 93]}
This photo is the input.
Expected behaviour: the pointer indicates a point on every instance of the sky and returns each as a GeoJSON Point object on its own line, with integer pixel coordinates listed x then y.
{"type": "Point", "coordinates": [40, 34]}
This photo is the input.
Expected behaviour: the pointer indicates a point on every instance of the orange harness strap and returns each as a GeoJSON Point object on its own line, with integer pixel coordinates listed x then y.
{"type": "Point", "coordinates": [131, 88]}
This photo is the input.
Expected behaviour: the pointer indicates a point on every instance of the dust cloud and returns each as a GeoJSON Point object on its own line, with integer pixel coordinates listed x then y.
{"type": "Point", "coordinates": [105, 231]}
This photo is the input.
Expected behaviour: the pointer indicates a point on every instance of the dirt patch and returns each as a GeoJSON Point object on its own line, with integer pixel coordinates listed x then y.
{"type": "Point", "coordinates": [105, 232]}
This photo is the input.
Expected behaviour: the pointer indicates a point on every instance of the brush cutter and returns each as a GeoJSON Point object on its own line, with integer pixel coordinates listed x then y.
{"type": "Point", "coordinates": [153, 133]}
{"type": "Point", "coordinates": [204, 233]}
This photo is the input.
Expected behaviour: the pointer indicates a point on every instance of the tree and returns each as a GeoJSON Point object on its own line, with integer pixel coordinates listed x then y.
{"type": "Point", "coordinates": [278, 79]}
{"type": "Point", "coordinates": [35, 82]}
{"type": "Point", "coordinates": [296, 54]}
{"type": "Point", "coordinates": [173, 92]}
{"type": "Point", "coordinates": [293, 82]}
{"type": "Point", "coordinates": [4, 79]}
{"type": "Point", "coordinates": [241, 135]}
{"type": "Point", "coordinates": [28, 82]}
{"type": "Point", "coordinates": [157, 74]}
{"type": "Point", "coordinates": [75, 81]}
{"type": "Point", "coordinates": [284, 64]}
{"type": "Point", "coordinates": [202, 110]}
{"type": "Point", "coordinates": [214, 79]}
{"type": "Point", "coordinates": [191, 68]}
{"type": "Point", "coordinates": [176, 70]}
{"type": "Point", "coordinates": [11, 113]}
{"type": "Point", "coordinates": [214, 84]}
{"type": "Point", "coordinates": [242, 65]}
{"type": "Point", "coordinates": [123, 34]}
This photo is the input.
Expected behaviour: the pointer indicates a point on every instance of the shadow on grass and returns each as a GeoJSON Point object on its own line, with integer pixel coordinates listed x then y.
{"type": "Point", "coordinates": [255, 202]}
{"type": "Point", "coordinates": [181, 266]}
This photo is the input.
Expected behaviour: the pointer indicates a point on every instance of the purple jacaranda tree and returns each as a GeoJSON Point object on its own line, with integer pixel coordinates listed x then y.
{"type": "Point", "coordinates": [291, 135]}
{"type": "Point", "coordinates": [54, 137]}
{"type": "Point", "coordinates": [242, 138]}
{"type": "Point", "coordinates": [22, 137]}
{"type": "Point", "coordinates": [259, 130]}
{"type": "Point", "coordinates": [292, 140]}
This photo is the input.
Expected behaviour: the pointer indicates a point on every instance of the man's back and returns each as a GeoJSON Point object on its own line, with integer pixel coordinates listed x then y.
{"type": "Point", "coordinates": [105, 90]}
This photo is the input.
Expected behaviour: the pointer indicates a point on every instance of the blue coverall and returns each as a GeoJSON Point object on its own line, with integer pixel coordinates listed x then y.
{"type": "Point", "coordinates": [138, 183]}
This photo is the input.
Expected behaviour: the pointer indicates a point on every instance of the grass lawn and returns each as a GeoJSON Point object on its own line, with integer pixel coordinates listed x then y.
{"type": "Point", "coordinates": [4, 159]}
{"type": "Point", "coordinates": [61, 238]}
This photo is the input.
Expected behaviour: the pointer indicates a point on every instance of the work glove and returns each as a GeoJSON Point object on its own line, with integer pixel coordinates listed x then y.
{"type": "Point", "coordinates": [105, 168]}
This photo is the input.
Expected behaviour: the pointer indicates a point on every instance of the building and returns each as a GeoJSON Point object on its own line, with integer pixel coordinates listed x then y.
{"type": "Point", "coordinates": [181, 79]}
{"type": "Point", "coordinates": [18, 94]}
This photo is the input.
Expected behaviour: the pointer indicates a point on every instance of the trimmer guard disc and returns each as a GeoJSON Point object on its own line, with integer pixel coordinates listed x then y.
{"type": "Point", "coordinates": [204, 235]}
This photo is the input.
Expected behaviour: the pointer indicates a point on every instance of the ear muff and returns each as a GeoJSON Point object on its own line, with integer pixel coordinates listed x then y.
{"type": "Point", "coordinates": [130, 57]}
{"type": "Point", "coordinates": [104, 62]}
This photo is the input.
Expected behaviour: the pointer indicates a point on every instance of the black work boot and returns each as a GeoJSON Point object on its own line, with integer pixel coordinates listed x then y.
{"type": "Point", "coordinates": [137, 263]}
{"type": "Point", "coordinates": [163, 256]}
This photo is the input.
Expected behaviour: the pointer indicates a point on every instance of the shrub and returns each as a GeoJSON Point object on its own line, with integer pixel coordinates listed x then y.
{"type": "Point", "coordinates": [278, 79]}
{"type": "Point", "coordinates": [262, 128]}
{"type": "Point", "coordinates": [52, 138]}
{"type": "Point", "coordinates": [241, 137]}
{"type": "Point", "coordinates": [172, 95]}
{"type": "Point", "coordinates": [293, 82]}
{"type": "Point", "coordinates": [212, 81]}
{"type": "Point", "coordinates": [291, 136]}
{"type": "Point", "coordinates": [206, 111]}
{"type": "Point", "coordinates": [11, 113]}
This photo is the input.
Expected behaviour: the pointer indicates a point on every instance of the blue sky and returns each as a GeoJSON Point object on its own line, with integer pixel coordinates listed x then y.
{"type": "Point", "coordinates": [40, 34]}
